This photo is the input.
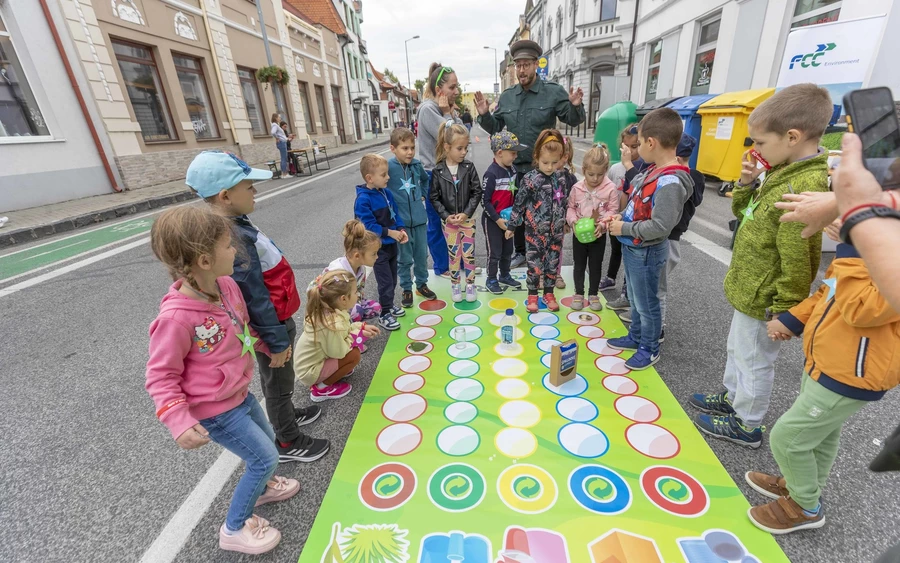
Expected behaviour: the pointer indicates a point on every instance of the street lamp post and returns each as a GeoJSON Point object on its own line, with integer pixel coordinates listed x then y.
{"type": "Point", "coordinates": [496, 68]}
{"type": "Point", "coordinates": [406, 48]}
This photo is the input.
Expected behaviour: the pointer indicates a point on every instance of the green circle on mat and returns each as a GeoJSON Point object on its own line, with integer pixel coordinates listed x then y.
{"type": "Point", "coordinates": [466, 318]}
{"type": "Point", "coordinates": [460, 412]}
{"type": "Point", "coordinates": [456, 487]}
{"type": "Point", "coordinates": [463, 350]}
{"type": "Point", "coordinates": [463, 368]}
{"type": "Point", "coordinates": [466, 306]}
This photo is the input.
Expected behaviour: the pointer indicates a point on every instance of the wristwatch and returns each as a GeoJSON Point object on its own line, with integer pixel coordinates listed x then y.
{"type": "Point", "coordinates": [868, 213]}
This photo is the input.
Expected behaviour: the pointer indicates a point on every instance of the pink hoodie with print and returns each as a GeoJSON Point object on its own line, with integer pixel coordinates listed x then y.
{"type": "Point", "coordinates": [584, 200]}
{"type": "Point", "coordinates": [196, 368]}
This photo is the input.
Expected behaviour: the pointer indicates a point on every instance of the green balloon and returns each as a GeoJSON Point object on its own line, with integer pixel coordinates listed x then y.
{"type": "Point", "coordinates": [584, 230]}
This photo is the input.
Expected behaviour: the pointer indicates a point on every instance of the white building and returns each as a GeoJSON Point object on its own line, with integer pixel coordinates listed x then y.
{"type": "Point", "coordinates": [363, 95]}
{"type": "Point", "coordinates": [687, 47]}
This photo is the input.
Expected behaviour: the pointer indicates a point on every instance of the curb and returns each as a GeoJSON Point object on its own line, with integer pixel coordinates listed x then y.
{"type": "Point", "coordinates": [30, 234]}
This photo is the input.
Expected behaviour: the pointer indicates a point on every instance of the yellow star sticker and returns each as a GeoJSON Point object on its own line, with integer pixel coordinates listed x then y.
{"type": "Point", "coordinates": [247, 340]}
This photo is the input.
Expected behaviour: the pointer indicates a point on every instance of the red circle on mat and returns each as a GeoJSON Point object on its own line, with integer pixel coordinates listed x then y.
{"type": "Point", "coordinates": [698, 504]}
{"type": "Point", "coordinates": [566, 301]}
{"type": "Point", "coordinates": [433, 305]}
{"type": "Point", "coordinates": [371, 499]}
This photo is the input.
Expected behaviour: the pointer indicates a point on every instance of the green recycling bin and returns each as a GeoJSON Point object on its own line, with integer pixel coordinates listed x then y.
{"type": "Point", "coordinates": [654, 104]}
{"type": "Point", "coordinates": [610, 123]}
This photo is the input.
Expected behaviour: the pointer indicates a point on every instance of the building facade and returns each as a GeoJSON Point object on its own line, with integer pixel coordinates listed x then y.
{"type": "Point", "coordinates": [687, 47]}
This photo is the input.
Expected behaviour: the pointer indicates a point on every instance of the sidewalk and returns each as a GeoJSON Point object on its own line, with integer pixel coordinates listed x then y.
{"type": "Point", "coordinates": [29, 225]}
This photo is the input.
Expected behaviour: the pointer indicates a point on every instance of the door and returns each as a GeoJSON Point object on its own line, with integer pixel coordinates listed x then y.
{"type": "Point", "coordinates": [338, 112]}
{"type": "Point", "coordinates": [359, 129]}
{"type": "Point", "coordinates": [595, 109]}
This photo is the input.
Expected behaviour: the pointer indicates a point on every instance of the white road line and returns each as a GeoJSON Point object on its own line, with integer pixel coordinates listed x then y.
{"type": "Point", "coordinates": [712, 226]}
{"type": "Point", "coordinates": [179, 528]}
{"type": "Point", "coordinates": [708, 247]}
{"type": "Point", "coordinates": [54, 250]}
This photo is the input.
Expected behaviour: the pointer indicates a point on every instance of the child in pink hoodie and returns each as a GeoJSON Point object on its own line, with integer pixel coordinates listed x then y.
{"type": "Point", "coordinates": [201, 363]}
{"type": "Point", "coordinates": [595, 196]}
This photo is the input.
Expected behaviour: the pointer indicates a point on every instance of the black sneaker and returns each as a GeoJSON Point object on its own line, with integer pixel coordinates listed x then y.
{"type": "Point", "coordinates": [508, 280]}
{"type": "Point", "coordinates": [714, 403]}
{"type": "Point", "coordinates": [407, 300]}
{"type": "Point", "coordinates": [494, 287]}
{"type": "Point", "coordinates": [426, 293]}
{"type": "Point", "coordinates": [307, 415]}
{"type": "Point", "coordinates": [303, 449]}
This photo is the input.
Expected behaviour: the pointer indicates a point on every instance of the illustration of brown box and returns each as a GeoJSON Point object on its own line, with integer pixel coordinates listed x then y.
{"type": "Point", "coordinates": [563, 362]}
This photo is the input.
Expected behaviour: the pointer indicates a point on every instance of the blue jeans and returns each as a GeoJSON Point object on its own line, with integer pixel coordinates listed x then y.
{"type": "Point", "coordinates": [437, 245]}
{"type": "Point", "coordinates": [643, 266]}
{"type": "Point", "coordinates": [245, 432]}
{"type": "Point", "coordinates": [414, 255]}
{"type": "Point", "coordinates": [282, 148]}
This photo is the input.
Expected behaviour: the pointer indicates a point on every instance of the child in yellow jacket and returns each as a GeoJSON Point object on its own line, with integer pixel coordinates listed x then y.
{"type": "Point", "coordinates": [850, 340]}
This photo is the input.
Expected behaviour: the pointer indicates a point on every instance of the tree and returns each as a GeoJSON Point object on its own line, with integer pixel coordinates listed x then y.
{"type": "Point", "coordinates": [391, 76]}
{"type": "Point", "coordinates": [420, 86]}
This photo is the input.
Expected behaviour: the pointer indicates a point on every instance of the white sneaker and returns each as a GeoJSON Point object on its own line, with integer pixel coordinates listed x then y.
{"type": "Point", "coordinates": [457, 292]}
{"type": "Point", "coordinates": [283, 176]}
{"type": "Point", "coordinates": [471, 296]}
{"type": "Point", "coordinates": [256, 537]}
{"type": "Point", "coordinates": [478, 270]}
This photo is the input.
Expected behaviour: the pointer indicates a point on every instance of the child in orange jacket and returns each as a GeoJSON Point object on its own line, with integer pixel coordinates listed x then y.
{"type": "Point", "coordinates": [850, 342]}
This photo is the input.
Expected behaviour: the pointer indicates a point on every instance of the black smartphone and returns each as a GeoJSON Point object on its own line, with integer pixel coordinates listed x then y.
{"type": "Point", "coordinates": [871, 115]}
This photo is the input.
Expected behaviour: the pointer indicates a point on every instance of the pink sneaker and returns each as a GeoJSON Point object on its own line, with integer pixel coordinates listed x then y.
{"type": "Point", "coordinates": [254, 538]}
{"type": "Point", "coordinates": [278, 489]}
{"type": "Point", "coordinates": [336, 391]}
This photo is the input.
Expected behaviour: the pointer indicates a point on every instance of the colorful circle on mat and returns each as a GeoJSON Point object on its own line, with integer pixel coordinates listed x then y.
{"type": "Point", "coordinates": [527, 488]}
{"type": "Point", "coordinates": [571, 388]}
{"type": "Point", "coordinates": [545, 359]}
{"type": "Point", "coordinates": [467, 306]}
{"type": "Point", "coordinates": [583, 440]}
{"type": "Point", "coordinates": [433, 305]}
{"type": "Point", "coordinates": [577, 409]}
{"type": "Point", "coordinates": [509, 351]}
{"type": "Point", "coordinates": [598, 346]}
{"type": "Point", "coordinates": [464, 389]}
{"type": "Point", "coordinates": [497, 319]}
{"type": "Point", "coordinates": [502, 304]}
{"type": "Point", "coordinates": [387, 486]}
{"type": "Point", "coordinates": [419, 348]}
{"type": "Point", "coordinates": [544, 331]}
{"type": "Point", "coordinates": [547, 344]}
{"type": "Point", "coordinates": [583, 318]}
{"type": "Point", "coordinates": [466, 319]}
{"type": "Point", "coordinates": [463, 350]}
{"type": "Point", "coordinates": [409, 382]}
{"type": "Point", "coordinates": [543, 318]}
{"type": "Point", "coordinates": [510, 367]}
{"type": "Point", "coordinates": [456, 487]}
{"type": "Point", "coordinates": [652, 440]}
{"type": "Point", "coordinates": [599, 489]}
{"type": "Point", "coordinates": [518, 334]}
{"type": "Point", "coordinates": [519, 414]}
{"type": "Point", "coordinates": [566, 301]}
{"type": "Point", "coordinates": [421, 333]}
{"type": "Point", "coordinates": [613, 365]}
{"type": "Point", "coordinates": [471, 332]}
{"type": "Point", "coordinates": [399, 439]}
{"type": "Point", "coordinates": [414, 364]}
{"type": "Point", "coordinates": [460, 412]}
{"type": "Point", "coordinates": [541, 304]}
{"type": "Point", "coordinates": [458, 440]}
{"type": "Point", "coordinates": [674, 491]}
{"type": "Point", "coordinates": [463, 368]}
{"type": "Point", "coordinates": [404, 407]}
{"type": "Point", "coordinates": [589, 331]}
{"type": "Point", "coordinates": [429, 320]}
{"type": "Point", "coordinates": [620, 385]}
{"type": "Point", "coordinates": [515, 443]}
{"type": "Point", "coordinates": [512, 388]}
{"type": "Point", "coordinates": [637, 409]}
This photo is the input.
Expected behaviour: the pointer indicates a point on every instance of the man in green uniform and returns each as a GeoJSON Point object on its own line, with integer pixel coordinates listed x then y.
{"type": "Point", "coordinates": [526, 109]}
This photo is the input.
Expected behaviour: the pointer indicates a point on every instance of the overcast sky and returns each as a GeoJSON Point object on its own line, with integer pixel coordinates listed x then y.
{"type": "Point", "coordinates": [453, 34]}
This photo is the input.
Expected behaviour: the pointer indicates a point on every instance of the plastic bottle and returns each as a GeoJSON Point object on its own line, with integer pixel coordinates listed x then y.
{"type": "Point", "coordinates": [508, 330]}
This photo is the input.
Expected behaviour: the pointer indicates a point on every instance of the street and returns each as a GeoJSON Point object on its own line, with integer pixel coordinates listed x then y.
{"type": "Point", "coordinates": [89, 474]}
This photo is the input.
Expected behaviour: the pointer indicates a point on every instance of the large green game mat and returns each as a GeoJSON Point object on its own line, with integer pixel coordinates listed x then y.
{"type": "Point", "coordinates": [464, 452]}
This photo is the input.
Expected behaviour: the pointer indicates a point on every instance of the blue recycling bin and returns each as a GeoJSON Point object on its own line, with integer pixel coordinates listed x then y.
{"type": "Point", "coordinates": [687, 109]}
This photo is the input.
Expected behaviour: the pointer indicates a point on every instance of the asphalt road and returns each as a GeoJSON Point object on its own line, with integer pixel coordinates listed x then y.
{"type": "Point", "coordinates": [88, 474]}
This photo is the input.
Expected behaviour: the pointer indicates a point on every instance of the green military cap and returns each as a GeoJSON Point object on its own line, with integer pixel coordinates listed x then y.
{"type": "Point", "coordinates": [525, 49]}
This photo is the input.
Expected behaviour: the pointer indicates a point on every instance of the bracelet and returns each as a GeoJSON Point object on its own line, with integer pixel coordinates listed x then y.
{"type": "Point", "coordinates": [893, 199]}
{"type": "Point", "coordinates": [860, 207]}
{"type": "Point", "coordinates": [871, 212]}
{"type": "Point", "coordinates": [168, 406]}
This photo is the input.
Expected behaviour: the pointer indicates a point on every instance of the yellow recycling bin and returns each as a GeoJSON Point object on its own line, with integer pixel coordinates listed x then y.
{"type": "Point", "coordinates": [723, 133]}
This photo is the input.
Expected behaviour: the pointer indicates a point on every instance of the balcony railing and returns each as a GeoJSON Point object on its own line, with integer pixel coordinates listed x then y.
{"type": "Point", "coordinates": [596, 32]}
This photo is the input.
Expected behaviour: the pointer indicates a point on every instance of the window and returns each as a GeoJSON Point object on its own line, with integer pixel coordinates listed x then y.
{"type": "Point", "coordinates": [653, 70]}
{"type": "Point", "coordinates": [608, 9]}
{"type": "Point", "coordinates": [281, 104]}
{"type": "Point", "coordinates": [20, 115]}
{"type": "Point", "coordinates": [145, 90]}
{"type": "Point", "coordinates": [706, 56]}
{"type": "Point", "coordinates": [812, 12]}
{"type": "Point", "coordinates": [574, 13]}
{"type": "Point", "coordinates": [550, 33]}
{"type": "Point", "coordinates": [323, 115]}
{"type": "Point", "coordinates": [559, 25]}
{"type": "Point", "coordinates": [196, 97]}
{"type": "Point", "coordinates": [252, 102]}
{"type": "Point", "coordinates": [304, 102]}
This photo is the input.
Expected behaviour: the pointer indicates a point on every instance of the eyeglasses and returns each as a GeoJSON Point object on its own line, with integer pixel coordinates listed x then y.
{"type": "Point", "coordinates": [445, 69]}
{"type": "Point", "coordinates": [526, 64]}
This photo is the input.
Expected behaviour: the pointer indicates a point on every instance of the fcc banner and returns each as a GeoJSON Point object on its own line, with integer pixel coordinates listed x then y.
{"type": "Point", "coordinates": [835, 55]}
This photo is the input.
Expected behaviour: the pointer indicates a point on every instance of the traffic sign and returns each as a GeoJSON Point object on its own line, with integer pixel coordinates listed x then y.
{"type": "Point", "coordinates": [543, 68]}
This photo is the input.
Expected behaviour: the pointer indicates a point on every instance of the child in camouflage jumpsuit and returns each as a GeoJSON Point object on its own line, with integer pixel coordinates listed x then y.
{"type": "Point", "coordinates": [541, 205]}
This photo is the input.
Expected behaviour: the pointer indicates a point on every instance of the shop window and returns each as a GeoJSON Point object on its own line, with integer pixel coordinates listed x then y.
{"type": "Point", "coordinates": [653, 70]}
{"type": "Point", "coordinates": [20, 115]}
{"type": "Point", "coordinates": [196, 97]}
{"type": "Point", "coordinates": [812, 12]}
{"type": "Point", "coordinates": [705, 57]}
{"type": "Point", "coordinates": [320, 102]}
{"type": "Point", "coordinates": [252, 101]}
{"type": "Point", "coordinates": [144, 87]}
{"type": "Point", "coordinates": [304, 101]}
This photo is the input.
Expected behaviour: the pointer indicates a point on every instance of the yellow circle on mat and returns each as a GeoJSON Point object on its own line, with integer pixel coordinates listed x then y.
{"type": "Point", "coordinates": [512, 388]}
{"type": "Point", "coordinates": [520, 414]}
{"type": "Point", "coordinates": [510, 367]}
{"type": "Point", "coordinates": [518, 476]}
{"type": "Point", "coordinates": [508, 351]}
{"type": "Point", "coordinates": [502, 304]}
{"type": "Point", "coordinates": [515, 443]}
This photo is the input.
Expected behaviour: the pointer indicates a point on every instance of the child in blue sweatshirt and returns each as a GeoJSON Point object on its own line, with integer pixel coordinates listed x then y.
{"type": "Point", "coordinates": [409, 184]}
{"type": "Point", "coordinates": [376, 208]}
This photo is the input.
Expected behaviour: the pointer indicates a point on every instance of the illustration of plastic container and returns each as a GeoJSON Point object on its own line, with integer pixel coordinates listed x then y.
{"type": "Point", "coordinates": [455, 546]}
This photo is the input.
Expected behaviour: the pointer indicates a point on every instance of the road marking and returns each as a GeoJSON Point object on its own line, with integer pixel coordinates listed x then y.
{"type": "Point", "coordinates": [54, 250]}
{"type": "Point", "coordinates": [712, 227]}
{"type": "Point", "coordinates": [708, 247]}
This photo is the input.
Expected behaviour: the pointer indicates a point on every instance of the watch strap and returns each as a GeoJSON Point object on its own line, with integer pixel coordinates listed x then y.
{"type": "Point", "coordinates": [868, 213]}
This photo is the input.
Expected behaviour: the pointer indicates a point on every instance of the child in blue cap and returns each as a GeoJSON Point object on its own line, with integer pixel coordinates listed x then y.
{"type": "Point", "coordinates": [267, 283]}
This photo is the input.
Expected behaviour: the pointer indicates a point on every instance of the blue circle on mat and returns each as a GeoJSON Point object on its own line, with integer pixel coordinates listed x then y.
{"type": "Point", "coordinates": [544, 331]}
{"type": "Point", "coordinates": [543, 318]}
{"type": "Point", "coordinates": [577, 409]}
{"type": "Point", "coordinates": [580, 487]}
{"type": "Point", "coordinates": [545, 359]}
{"type": "Point", "coordinates": [596, 444]}
{"type": "Point", "coordinates": [570, 388]}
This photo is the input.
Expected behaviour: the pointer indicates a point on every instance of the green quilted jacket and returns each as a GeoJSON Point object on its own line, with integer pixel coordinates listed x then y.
{"type": "Point", "coordinates": [772, 266]}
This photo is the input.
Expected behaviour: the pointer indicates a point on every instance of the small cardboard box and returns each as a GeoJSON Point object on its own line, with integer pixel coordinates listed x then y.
{"type": "Point", "coordinates": [563, 362]}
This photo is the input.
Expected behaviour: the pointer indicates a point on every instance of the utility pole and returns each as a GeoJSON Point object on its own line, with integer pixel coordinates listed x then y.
{"type": "Point", "coordinates": [406, 48]}
{"type": "Point", "coordinates": [265, 38]}
{"type": "Point", "coordinates": [496, 70]}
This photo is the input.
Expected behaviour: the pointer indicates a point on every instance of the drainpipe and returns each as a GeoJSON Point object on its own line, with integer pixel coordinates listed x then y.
{"type": "Point", "coordinates": [215, 59]}
{"type": "Point", "coordinates": [637, 4]}
{"type": "Point", "coordinates": [113, 181]}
